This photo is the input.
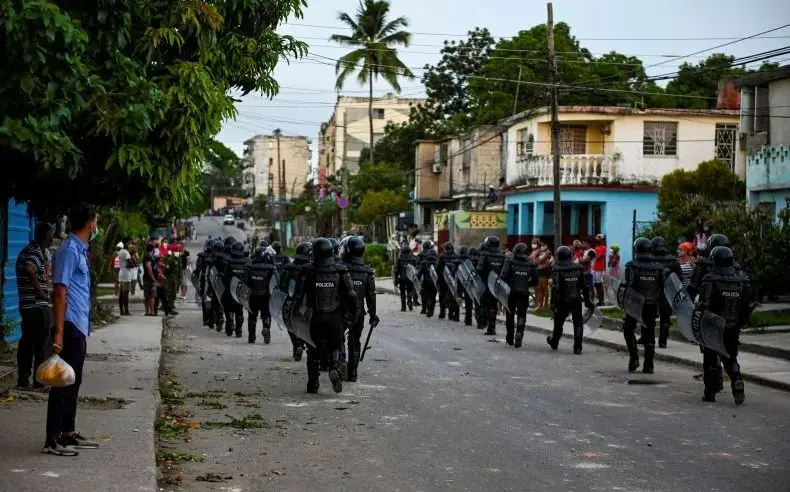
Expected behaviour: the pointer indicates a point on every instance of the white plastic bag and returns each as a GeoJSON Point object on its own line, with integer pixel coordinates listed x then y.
{"type": "Point", "coordinates": [55, 372]}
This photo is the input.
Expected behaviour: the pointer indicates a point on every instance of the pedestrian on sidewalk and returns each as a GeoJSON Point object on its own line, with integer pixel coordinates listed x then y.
{"type": "Point", "coordinates": [599, 267]}
{"type": "Point", "coordinates": [115, 267]}
{"type": "Point", "coordinates": [132, 248]}
{"type": "Point", "coordinates": [614, 262]}
{"type": "Point", "coordinates": [72, 306]}
{"type": "Point", "coordinates": [149, 280]}
{"type": "Point", "coordinates": [685, 251]}
{"type": "Point", "coordinates": [186, 273]}
{"type": "Point", "coordinates": [34, 305]}
{"type": "Point", "coordinates": [124, 279]}
{"type": "Point", "coordinates": [544, 273]}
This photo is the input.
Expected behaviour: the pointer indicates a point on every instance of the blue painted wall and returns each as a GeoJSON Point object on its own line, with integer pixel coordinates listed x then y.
{"type": "Point", "coordinates": [617, 208]}
{"type": "Point", "coordinates": [17, 234]}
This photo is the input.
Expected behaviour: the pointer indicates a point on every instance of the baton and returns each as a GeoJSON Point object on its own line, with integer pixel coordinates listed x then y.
{"type": "Point", "coordinates": [367, 341]}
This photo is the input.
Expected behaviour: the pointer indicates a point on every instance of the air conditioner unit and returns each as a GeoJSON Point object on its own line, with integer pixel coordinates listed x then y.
{"type": "Point", "coordinates": [437, 168]}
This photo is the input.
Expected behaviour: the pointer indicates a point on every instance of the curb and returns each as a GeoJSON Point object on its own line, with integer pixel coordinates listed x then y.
{"type": "Point", "coordinates": [775, 352]}
{"type": "Point", "coordinates": [754, 378]}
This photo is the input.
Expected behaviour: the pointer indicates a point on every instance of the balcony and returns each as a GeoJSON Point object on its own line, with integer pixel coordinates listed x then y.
{"type": "Point", "coordinates": [575, 170]}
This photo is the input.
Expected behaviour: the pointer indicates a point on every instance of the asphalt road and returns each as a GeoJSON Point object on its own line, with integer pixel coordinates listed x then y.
{"type": "Point", "coordinates": [439, 405]}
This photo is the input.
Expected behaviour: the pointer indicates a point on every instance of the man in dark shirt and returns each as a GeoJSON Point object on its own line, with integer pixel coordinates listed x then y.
{"type": "Point", "coordinates": [34, 304]}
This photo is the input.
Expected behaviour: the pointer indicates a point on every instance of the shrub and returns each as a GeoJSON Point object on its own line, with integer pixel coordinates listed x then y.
{"type": "Point", "coordinates": [378, 258]}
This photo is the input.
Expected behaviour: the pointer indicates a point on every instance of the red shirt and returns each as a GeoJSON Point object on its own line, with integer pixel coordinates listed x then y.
{"type": "Point", "coordinates": [600, 258]}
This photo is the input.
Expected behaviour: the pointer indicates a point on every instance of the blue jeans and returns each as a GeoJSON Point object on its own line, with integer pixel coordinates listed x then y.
{"type": "Point", "coordinates": [62, 406]}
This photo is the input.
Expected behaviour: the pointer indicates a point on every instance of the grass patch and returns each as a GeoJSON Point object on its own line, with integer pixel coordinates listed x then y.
{"type": "Point", "coordinates": [761, 319]}
{"type": "Point", "coordinates": [105, 291]}
{"type": "Point", "coordinates": [213, 478]}
{"type": "Point", "coordinates": [204, 394]}
{"type": "Point", "coordinates": [170, 458]}
{"type": "Point", "coordinates": [543, 313]}
{"type": "Point", "coordinates": [172, 425]}
{"type": "Point", "coordinates": [212, 403]}
{"type": "Point", "coordinates": [613, 312]}
{"type": "Point", "coordinates": [170, 389]}
{"type": "Point", "coordinates": [253, 421]}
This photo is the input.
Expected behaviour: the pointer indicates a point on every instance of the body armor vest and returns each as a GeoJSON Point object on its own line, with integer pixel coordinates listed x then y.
{"type": "Point", "coordinates": [567, 275]}
{"type": "Point", "coordinates": [668, 261]}
{"type": "Point", "coordinates": [326, 284]}
{"type": "Point", "coordinates": [360, 278]}
{"type": "Point", "coordinates": [647, 279]}
{"type": "Point", "coordinates": [451, 261]}
{"type": "Point", "coordinates": [494, 260]}
{"type": "Point", "coordinates": [728, 294]}
{"type": "Point", "coordinates": [428, 260]}
{"type": "Point", "coordinates": [281, 260]}
{"type": "Point", "coordinates": [521, 273]}
{"type": "Point", "coordinates": [236, 267]}
{"type": "Point", "coordinates": [259, 276]}
{"type": "Point", "coordinates": [402, 261]}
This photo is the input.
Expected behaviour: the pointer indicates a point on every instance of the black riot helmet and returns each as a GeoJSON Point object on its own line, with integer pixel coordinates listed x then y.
{"type": "Point", "coordinates": [520, 249]}
{"type": "Point", "coordinates": [246, 249]}
{"type": "Point", "coordinates": [264, 244]}
{"type": "Point", "coordinates": [448, 247]}
{"type": "Point", "coordinates": [404, 250]}
{"type": "Point", "coordinates": [474, 251]}
{"type": "Point", "coordinates": [216, 246]}
{"type": "Point", "coordinates": [237, 250]}
{"type": "Point", "coordinates": [277, 247]}
{"type": "Point", "coordinates": [492, 243]}
{"type": "Point", "coordinates": [658, 243]}
{"type": "Point", "coordinates": [717, 240]}
{"type": "Point", "coordinates": [227, 244]}
{"type": "Point", "coordinates": [563, 253]}
{"type": "Point", "coordinates": [207, 245]}
{"type": "Point", "coordinates": [722, 256]}
{"type": "Point", "coordinates": [323, 253]}
{"type": "Point", "coordinates": [259, 254]}
{"type": "Point", "coordinates": [334, 243]}
{"type": "Point", "coordinates": [463, 251]}
{"type": "Point", "coordinates": [643, 246]}
{"type": "Point", "coordinates": [355, 247]}
{"type": "Point", "coordinates": [426, 245]}
{"type": "Point", "coordinates": [303, 251]}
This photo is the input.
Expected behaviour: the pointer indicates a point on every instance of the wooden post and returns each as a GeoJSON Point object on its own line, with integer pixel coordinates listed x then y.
{"type": "Point", "coordinates": [555, 128]}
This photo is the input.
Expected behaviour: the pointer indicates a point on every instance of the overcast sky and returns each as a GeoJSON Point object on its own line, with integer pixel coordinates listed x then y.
{"type": "Point", "coordinates": [307, 95]}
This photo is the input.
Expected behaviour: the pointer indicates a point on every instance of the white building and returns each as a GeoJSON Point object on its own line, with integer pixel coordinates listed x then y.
{"type": "Point", "coordinates": [264, 177]}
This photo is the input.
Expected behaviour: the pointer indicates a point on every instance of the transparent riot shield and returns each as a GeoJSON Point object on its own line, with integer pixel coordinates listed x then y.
{"type": "Point", "coordinates": [216, 282]}
{"type": "Point", "coordinates": [434, 277]}
{"type": "Point", "coordinates": [629, 300]}
{"type": "Point", "coordinates": [276, 302]}
{"type": "Point", "coordinates": [592, 319]}
{"type": "Point", "coordinates": [452, 284]}
{"type": "Point", "coordinates": [196, 284]}
{"type": "Point", "coordinates": [240, 292]}
{"type": "Point", "coordinates": [470, 281]}
{"type": "Point", "coordinates": [297, 316]}
{"type": "Point", "coordinates": [499, 289]}
{"type": "Point", "coordinates": [411, 274]}
{"type": "Point", "coordinates": [697, 325]}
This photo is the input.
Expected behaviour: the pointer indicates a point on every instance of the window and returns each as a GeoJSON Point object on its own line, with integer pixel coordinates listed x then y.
{"type": "Point", "coordinates": [573, 139]}
{"type": "Point", "coordinates": [526, 143]}
{"type": "Point", "coordinates": [427, 217]}
{"type": "Point", "coordinates": [725, 143]}
{"type": "Point", "coordinates": [378, 114]}
{"type": "Point", "coordinates": [660, 138]}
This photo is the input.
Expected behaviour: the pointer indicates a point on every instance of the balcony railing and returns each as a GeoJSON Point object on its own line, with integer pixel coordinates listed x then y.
{"type": "Point", "coordinates": [577, 169]}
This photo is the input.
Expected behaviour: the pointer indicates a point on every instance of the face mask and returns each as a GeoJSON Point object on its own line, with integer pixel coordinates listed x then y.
{"type": "Point", "coordinates": [705, 229]}
{"type": "Point", "coordinates": [534, 246]}
{"type": "Point", "coordinates": [94, 232]}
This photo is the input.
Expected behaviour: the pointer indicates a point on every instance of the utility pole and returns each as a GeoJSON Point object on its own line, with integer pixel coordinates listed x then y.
{"type": "Point", "coordinates": [518, 86]}
{"type": "Point", "coordinates": [281, 177]}
{"type": "Point", "coordinates": [555, 128]}
{"type": "Point", "coordinates": [343, 212]}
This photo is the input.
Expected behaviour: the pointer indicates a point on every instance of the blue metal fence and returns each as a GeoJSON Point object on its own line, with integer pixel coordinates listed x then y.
{"type": "Point", "coordinates": [17, 234]}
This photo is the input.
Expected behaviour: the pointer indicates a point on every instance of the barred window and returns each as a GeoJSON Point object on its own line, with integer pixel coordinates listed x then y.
{"type": "Point", "coordinates": [573, 139]}
{"type": "Point", "coordinates": [660, 138]}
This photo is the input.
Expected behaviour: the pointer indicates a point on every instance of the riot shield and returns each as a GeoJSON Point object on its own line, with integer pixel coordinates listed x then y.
{"type": "Point", "coordinates": [276, 303]}
{"type": "Point", "coordinates": [196, 284]}
{"type": "Point", "coordinates": [216, 282]}
{"type": "Point", "coordinates": [434, 277]}
{"type": "Point", "coordinates": [411, 274]}
{"type": "Point", "coordinates": [297, 319]}
{"type": "Point", "coordinates": [470, 281]}
{"type": "Point", "coordinates": [240, 292]}
{"type": "Point", "coordinates": [592, 319]}
{"type": "Point", "coordinates": [452, 284]}
{"type": "Point", "coordinates": [629, 300]}
{"type": "Point", "coordinates": [499, 289]}
{"type": "Point", "coordinates": [697, 325]}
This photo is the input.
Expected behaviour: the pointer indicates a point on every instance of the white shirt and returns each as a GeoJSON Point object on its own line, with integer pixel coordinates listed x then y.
{"type": "Point", "coordinates": [125, 273]}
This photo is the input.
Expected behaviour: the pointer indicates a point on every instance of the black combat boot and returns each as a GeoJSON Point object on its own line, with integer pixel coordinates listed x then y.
{"type": "Point", "coordinates": [710, 376]}
{"type": "Point", "coordinates": [519, 337]}
{"type": "Point", "coordinates": [229, 329]}
{"type": "Point", "coordinates": [239, 325]}
{"type": "Point", "coordinates": [251, 330]}
{"type": "Point", "coordinates": [552, 343]}
{"type": "Point", "coordinates": [647, 365]}
{"type": "Point", "coordinates": [337, 381]}
{"type": "Point", "coordinates": [352, 369]}
{"type": "Point", "coordinates": [267, 335]}
{"type": "Point", "coordinates": [578, 335]}
{"type": "Point", "coordinates": [633, 353]}
{"type": "Point", "coordinates": [509, 337]}
{"type": "Point", "coordinates": [312, 384]}
{"type": "Point", "coordinates": [298, 353]}
{"type": "Point", "coordinates": [738, 390]}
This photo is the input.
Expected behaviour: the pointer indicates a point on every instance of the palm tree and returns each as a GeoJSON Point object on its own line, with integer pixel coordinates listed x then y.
{"type": "Point", "coordinates": [373, 36]}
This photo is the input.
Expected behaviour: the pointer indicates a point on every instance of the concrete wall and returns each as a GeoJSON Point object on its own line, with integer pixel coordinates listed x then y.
{"type": "Point", "coordinates": [779, 104]}
{"type": "Point", "coordinates": [696, 142]}
{"type": "Point", "coordinates": [294, 150]}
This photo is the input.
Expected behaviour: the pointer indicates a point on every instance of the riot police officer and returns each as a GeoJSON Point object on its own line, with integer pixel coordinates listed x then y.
{"type": "Point", "coordinates": [726, 292]}
{"type": "Point", "coordinates": [215, 262]}
{"type": "Point", "coordinates": [567, 293]}
{"type": "Point", "coordinates": [335, 248]}
{"type": "Point", "coordinates": [260, 270]}
{"type": "Point", "coordinates": [235, 266]}
{"type": "Point", "coordinates": [671, 265]}
{"type": "Point", "coordinates": [291, 276]}
{"type": "Point", "coordinates": [429, 261]}
{"type": "Point", "coordinates": [463, 255]}
{"type": "Point", "coordinates": [326, 289]}
{"type": "Point", "coordinates": [401, 280]}
{"type": "Point", "coordinates": [447, 302]}
{"type": "Point", "coordinates": [491, 260]}
{"type": "Point", "coordinates": [645, 277]}
{"type": "Point", "coordinates": [363, 280]}
{"type": "Point", "coordinates": [280, 260]}
{"type": "Point", "coordinates": [201, 267]}
{"type": "Point", "coordinates": [474, 257]}
{"type": "Point", "coordinates": [520, 274]}
{"type": "Point", "coordinates": [426, 245]}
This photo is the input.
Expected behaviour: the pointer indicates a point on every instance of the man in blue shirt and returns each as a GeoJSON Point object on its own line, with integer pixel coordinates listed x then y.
{"type": "Point", "coordinates": [71, 312]}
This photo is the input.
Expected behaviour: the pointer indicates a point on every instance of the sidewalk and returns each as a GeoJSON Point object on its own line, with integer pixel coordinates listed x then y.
{"type": "Point", "coordinates": [118, 403]}
{"type": "Point", "coordinates": [757, 368]}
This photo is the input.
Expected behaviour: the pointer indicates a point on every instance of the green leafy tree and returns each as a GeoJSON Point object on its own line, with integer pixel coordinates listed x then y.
{"type": "Point", "coordinates": [373, 37]}
{"type": "Point", "coordinates": [377, 204]}
{"type": "Point", "coordinates": [377, 177]}
{"type": "Point", "coordinates": [118, 104]}
{"type": "Point", "coordinates": [702, 80]}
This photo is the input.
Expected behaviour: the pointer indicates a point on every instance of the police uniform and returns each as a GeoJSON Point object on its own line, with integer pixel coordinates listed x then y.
{"type": "Point", "coordinates": [520, 274]}
{"type": "Point", "coordinates": [260, 270]}
{"type": "Point", "coordinates": [567, 295]}
{"type": "Point", "coordinates": [491, 260]}
{"type": "Point", "coordinates": [429, 259]}
{"type": "Point", "coordinates": [363, 280]}
{"type": "Point", "coordinates": [645, 277]}
{"type": "Point", "coordinates": [447, 302]}
{"type": "Point", "coordinates": [400, 278]}
{"type": "Point", "coordinates": [671, 265]}
{"type": "Point", "coordinates": [235, 266]}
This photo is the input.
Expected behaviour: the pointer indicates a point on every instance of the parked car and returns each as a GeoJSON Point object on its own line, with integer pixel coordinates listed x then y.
{"type": "Point", "coordinates": [240, 224]}
{"type": "Point", "coordinates": [229, 220]}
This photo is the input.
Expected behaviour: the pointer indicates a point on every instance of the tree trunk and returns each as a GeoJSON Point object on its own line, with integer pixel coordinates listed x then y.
{"type": "Point", "coordinates": [370, 113]}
